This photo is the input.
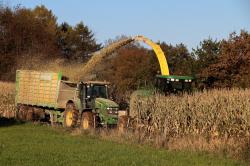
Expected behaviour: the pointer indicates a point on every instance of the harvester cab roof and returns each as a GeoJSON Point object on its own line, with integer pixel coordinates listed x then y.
{"type": "Point", "coordinates": [96, 83]}
{"type": "Point", "coordinates": [173, 84]}
{"type": "Point", "coordinates": [175, 78]}
{"type": "Point", "coordinates": [96, 89]}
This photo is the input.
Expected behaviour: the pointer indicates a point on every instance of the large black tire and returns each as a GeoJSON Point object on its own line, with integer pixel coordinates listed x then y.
{"type": "Point", "coordinates": [38, 114]}
{"type": "Point", "coordinates": [22, 112]}
{"type": "Point", "coordinates": [30, 114]}
{"type": "Point", "coordinates": [123, 122]}
{"type": "Point", "coordinates": [70, 116]}
{"type": "Point", "coordinates": [87, 120]}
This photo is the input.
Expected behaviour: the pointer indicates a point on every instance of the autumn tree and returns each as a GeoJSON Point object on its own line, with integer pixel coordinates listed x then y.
{"type": "Point", "coordinates": [28, 35]}
{"type": "Point", "coordinates": [233, 65]}
{"type": "Point", "coordinates": [25, 30]}
{"type": "Point", "coordinates": [179, 60]}
{"type": "Point", "coordinates": [46, 30]}
{"type": "Point", "coordinates": [76, 43]}
{"type": "Point", "coordinates": [206, 53]}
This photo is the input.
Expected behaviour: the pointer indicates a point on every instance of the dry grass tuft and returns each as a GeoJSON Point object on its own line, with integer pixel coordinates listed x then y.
{"type": "Point", "coordinates": [237, 148]}
{"type": "Point", "coordinates": [7, 99]}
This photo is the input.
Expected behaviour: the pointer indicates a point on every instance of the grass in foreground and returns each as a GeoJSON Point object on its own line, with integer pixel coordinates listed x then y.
{"type": "Point", "coordinates": [28, 144]}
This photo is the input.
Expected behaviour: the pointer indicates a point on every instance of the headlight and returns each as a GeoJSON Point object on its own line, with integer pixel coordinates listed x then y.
{"type": "Point", "coordinates": [113, 111]}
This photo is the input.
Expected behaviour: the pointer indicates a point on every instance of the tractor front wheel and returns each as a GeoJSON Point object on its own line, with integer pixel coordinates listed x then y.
{"type": "Point", "coordinates": [87, 121]}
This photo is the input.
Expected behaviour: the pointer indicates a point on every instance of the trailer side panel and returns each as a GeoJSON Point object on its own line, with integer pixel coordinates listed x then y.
{"type": "Point", "coordinates": [37, 88]}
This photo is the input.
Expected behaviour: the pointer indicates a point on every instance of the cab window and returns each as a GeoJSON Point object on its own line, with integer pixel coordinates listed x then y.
{"type": "Point", "coordinates": [97, 91]}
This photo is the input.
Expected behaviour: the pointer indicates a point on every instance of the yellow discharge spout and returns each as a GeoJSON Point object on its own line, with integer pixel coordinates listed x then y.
{"type": "Point", "coordinates": [98, 56]}
{"type": "Point", "coordinates": [159, 53]}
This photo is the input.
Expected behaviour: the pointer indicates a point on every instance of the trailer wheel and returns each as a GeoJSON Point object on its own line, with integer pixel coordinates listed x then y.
{"type": "Point", "coordinates": [122, 124]}
{"type": "Point", "coordinates": [70, 116]}
{"type": "Point", "coordinates": [30, 114]}
{"type": "Point", "coordinates": [22, 112]}
{"type": "Point", "coordinates": [87, 121]}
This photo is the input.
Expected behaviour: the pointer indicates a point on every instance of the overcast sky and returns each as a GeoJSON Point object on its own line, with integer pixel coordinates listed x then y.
{"type": "Point", "coordinates": [176, 21]}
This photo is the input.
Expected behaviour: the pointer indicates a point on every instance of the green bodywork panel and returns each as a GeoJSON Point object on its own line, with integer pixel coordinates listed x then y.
{"type": "Point", "coordinates": [175, 77]}
{"type": "Point", "coordinates": [102, 105]}
{"type": "Point", "coordinates": [57, 115]}
{"type": "Point", "coordinates": [143, 92]}
{"type": "Point", "coordinates": [78, 104]}
{"type": "Point", "coordinates": [105, 103]}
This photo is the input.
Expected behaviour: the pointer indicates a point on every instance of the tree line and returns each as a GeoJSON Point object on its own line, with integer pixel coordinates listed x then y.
{"type": "Point", "coordinates": [27, 33]}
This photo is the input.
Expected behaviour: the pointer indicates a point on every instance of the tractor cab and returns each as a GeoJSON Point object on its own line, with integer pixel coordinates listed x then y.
{"type": "Point", "coordinates": [98, 99]}
{"type": "Point", "coordinates": [97, 89]}
{"type": "Point", "coordinates": [173, 84]}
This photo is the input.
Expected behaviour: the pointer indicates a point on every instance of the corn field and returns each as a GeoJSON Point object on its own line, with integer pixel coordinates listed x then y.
{"type": "Point", "coordinates": [215, 113]}
{"type": "Point", "coordinates": [216, 121]}
{"type": "Point", "coordinates": [7, 100]}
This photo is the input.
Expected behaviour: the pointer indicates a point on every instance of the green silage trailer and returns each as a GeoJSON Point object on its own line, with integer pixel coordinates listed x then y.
{"type": "Point", "coordinates": [44, 96]}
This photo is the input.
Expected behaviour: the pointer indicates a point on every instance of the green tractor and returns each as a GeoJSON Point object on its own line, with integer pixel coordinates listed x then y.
{"type": "Point", "coordinates": [106, 110]}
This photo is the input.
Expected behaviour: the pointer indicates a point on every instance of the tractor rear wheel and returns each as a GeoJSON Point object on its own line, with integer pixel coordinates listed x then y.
{"type": "Point", "coordinates": [70, 116]}
{"type": "Point", "coordinates": [87, 121]}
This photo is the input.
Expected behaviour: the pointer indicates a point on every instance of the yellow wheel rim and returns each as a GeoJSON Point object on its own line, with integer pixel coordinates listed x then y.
{"type": "Point", "coordinates": [85, 124]}
{"type": "Point", "coordinates": [69, 118]}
